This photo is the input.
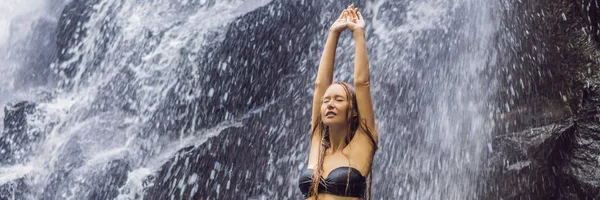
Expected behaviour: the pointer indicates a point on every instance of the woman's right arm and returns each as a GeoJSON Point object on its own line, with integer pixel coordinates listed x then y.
{"type": "Point", "coordinates": [324, 74]}
{"type": "Point", "coordinates": [324, 79]}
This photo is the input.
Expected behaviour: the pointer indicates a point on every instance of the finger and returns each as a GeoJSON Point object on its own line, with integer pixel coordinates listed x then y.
{"type": "Point", "coordinates": [359, 15]}
{"type": "Point", "coordinates": [342, 14]}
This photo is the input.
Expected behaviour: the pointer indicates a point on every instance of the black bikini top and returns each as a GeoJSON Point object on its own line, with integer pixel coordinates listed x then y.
{"type": "Point", "coordinates": [335, 183]}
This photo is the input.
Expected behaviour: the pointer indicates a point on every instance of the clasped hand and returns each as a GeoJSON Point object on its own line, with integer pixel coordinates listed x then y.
{"type": "Point", "coordinates": [349, 19]}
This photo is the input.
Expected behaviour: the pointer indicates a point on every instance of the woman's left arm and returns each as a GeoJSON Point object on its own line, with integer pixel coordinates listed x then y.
{"type": "Point", "coordinates": [361, 74]}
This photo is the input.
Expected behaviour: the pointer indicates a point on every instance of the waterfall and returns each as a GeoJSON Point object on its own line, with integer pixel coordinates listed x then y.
{"type": "Point", "coordinates": [210, 99]}
{"type": "Point", "coordinates": [433, 74]}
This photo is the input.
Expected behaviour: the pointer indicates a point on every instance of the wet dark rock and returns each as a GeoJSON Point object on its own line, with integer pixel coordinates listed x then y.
{"type": "Point", "coordinates": [70, 32]}
{"type": "Point", "coordinates": [526, 162]}
{"type": "Point", "coordinates": [17, 138]}
{"type": "Point", "coordinates": [547, 145]}
{"type": "Point", "coordinates": [225, 166]}
{"type": "Point", "coordinates": [16, 142]}
{"type": "Point", "coordinates": [100, 182]}
{"type": "Point", "coordinates": [258, 62]}
{"type": "Point", "coordinates": [556, 161]}
{"type": "Point", "coordinates": [16, 189]}
{"type": "Point", "coordinates": [109, 180]}
{"type": "Point", "coordinates": [590, 10]}
{"type": "Point", "coordinates": [216, 170]}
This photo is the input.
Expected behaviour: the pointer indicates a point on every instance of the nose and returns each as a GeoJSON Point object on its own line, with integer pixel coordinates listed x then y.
{"type": "Point", "coordinates": [330, 105]}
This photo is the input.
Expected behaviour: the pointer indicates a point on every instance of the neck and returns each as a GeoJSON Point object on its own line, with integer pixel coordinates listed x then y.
{"type": "Point", "coordinates": [337, 138]}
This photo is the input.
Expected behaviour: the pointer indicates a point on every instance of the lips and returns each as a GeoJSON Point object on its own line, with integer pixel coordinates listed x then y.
{"type": "Point", "coordinates": [330, 114]}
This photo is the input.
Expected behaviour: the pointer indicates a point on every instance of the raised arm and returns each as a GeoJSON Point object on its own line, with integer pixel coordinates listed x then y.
{"type": "Point", "coordinates": [361, 72]}
{"type": "Point", "coordinates": [325, 72]}
{"type": "Point", "coordinates": [324, 79]}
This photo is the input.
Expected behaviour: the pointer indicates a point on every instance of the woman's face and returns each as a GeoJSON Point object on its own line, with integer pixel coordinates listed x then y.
{"type": "Point", "coordinates": [334, 106]}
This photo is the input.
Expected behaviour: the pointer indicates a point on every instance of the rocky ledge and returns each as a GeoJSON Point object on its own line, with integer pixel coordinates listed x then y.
{"type": "Point", "coordinates": [549, 146]}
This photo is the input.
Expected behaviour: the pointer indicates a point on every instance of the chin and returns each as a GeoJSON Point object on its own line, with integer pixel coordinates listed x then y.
{"type": "Point", "coordinates": [327, 122]}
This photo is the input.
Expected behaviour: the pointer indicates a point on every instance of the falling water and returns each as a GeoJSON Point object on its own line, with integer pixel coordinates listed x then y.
{"type": "Point", "coordinates": [210, 99]}
{"type": "Point", "coordinates": [433, 65]}
{"type": "Point", "coordinates": [26, 48]}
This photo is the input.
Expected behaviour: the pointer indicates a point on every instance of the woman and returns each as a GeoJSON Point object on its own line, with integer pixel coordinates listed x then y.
{"type": "Point", "coordinates": [343, 132]}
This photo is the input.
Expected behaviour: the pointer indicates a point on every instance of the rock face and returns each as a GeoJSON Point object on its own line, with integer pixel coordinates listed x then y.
{"type": "Point", "coordinates": [245, 100]}
{"type": "Point", "coordinates": [16, 143]}
{"type": "Point", "coordinates": [548, 146]}
{"type": "Point", "coordinates": [70, 32]}
{"type": "Point", "coordinates": [250, 161]}
{"type": "Point", "coordinates": [240, 81]}
{"type": "Point", "coordinates": [17, 138]}
{"type": "Point", "coordinates": [590, 10]}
